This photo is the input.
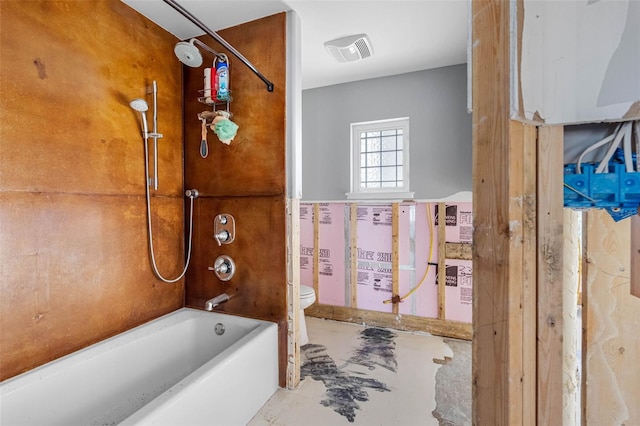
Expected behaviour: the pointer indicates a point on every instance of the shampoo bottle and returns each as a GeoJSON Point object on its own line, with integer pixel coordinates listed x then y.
{"type": "Point", "coordinates": [222, 80]}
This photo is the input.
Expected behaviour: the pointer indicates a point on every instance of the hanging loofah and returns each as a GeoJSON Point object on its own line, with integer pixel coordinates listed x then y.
{"type": "Point", "coordinates": [225, 129]}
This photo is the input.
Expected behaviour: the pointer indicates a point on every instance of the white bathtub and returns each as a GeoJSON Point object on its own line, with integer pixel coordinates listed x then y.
{"type": "Point", "coordinates": [174, 370]}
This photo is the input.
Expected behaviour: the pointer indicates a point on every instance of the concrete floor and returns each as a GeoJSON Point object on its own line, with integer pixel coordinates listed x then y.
{"type": "Point", "coordinates": [359, 375]}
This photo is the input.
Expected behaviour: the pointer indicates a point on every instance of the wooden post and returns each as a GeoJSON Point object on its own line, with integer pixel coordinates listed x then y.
{"type": "Point", "coordinates": [316, 249]}
{"type": "Point", "coordinates": [504, 231]}
{"type": "Point", "coordinates": [293, 293]}
{"type": "Point", "coordinates": [635, 256]}
{"type": "Point", "coordinates": [550, 273]}
{"type": "Point", "coordinates": [353, 246]}
{"type": "Point", "coordinates": [493, 381]}
{"type": "Point", "coordinates": [442, 263]}
{"type": "Point", "coordinates": [395, 258]}
{"type": "Point", "coordinates": [529, 135]}
{"type": "Point", "coordinates": [572, 226]}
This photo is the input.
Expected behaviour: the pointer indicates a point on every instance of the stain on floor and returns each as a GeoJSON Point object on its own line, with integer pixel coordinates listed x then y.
{"type": "Point", "coordinates": [377, 349]}
{"type": "Point", "coordinates": [357, 375]}
{"type": "Point", "coordinates": [344, 388]}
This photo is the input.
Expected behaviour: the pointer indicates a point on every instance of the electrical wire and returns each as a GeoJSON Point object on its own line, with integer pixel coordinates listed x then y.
{"type": "Point", "coordinates": [426, 272]}
{"type": "Point", "coordinates": [592, 147]}
{"type": "Point", "coordinates": [626, 144]}
{"type": "Point", "coordinates": [604, 164]}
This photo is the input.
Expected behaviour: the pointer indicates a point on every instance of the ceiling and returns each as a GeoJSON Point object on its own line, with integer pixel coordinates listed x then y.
{"type": "Point", "coordinates": [406, 35]}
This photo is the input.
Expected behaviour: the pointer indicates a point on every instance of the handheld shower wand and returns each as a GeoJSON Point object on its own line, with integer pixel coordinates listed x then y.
{"type": "Point", "coordinates": [142, 107]}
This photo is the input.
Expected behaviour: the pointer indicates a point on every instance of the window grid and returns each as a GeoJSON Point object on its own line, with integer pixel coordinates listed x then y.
{"type": "Point", "coordinates": [381, 159]}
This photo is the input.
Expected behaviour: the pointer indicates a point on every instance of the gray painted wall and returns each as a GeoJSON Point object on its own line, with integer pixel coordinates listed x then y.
{"type": "Point", "coordinates": [440, 132]}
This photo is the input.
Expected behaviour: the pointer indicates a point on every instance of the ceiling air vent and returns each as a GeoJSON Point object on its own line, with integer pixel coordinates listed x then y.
{"type": "Point", "coordinates": [351, 48]}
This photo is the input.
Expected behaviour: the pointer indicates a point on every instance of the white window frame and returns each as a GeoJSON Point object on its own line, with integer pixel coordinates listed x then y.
{"type": "Point", "coordinates": [396, 193]}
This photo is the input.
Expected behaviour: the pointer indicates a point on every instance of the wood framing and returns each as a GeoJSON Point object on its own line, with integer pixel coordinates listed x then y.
{"type": "Point", "coordinates": [635, 256]}
{"type": "Point", "coordinates": [460, 251]}
{"type": "Point", "coordinates": [316, 252]}
{"type": "Point", "coordinates": [442, 264]}
{"type": "Point", "coordinates": [572, 322]}
{"type": "Point", "coordinates": [454, 329]}
{"type": "Point", "coordinates": [293, 293]}
{"type": "Point", "coordinates": [505, 230]}
{"type": "Point", "coordinates": [395, 258]}
{"type": "Point", "coordinates": [493, 381]}
{"type": "Point", "coordinates": [550, 272]}
{"type": "Point", "coordinates": [529, 269]}
{"type": "Point", "coordinates": [393, 319]}
{"type": "Point", "coordinates": [353, 244]}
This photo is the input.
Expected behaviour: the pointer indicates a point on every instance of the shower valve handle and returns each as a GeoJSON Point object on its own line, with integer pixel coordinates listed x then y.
{"type": "Point", "coordinates": [224, 268]}
{"type": "Point", "coordinates": [224, 227]}
{"type": "Point", "coordinates": [222, 236]}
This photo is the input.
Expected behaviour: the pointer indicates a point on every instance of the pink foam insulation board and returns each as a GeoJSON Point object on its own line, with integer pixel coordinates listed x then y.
{"type": "Point", "coordinates": [332, 281]}
{"type": "Point", "coordinates": [374, 257]}
{"type": "Point", "coordinates": [306, 244]}
{"type": "Point", "coordinates": [417, 260]}
{"type": "Point", "coordinates": [415, 237]}
{"type": "Point", "coordinates": [458, 294]}
{"type": "Point", "coordinates": [459, 221]}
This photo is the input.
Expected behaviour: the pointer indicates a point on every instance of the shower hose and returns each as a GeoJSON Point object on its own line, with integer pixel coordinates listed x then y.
{"type": "Point", "coordinates": [192, 195]}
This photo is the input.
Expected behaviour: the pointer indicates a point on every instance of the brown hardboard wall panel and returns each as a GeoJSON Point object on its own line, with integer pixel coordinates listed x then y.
{"type": "Point", "coordinates": [259, 287]}
{"type": "Point", "coordinates": [245, 178]}
{"type": "Point", "coordinates": [254, 162]}
{"type": "Point", "coordinates": [75, 270]}
{"type": "Point", "coordinates": [73, 246]}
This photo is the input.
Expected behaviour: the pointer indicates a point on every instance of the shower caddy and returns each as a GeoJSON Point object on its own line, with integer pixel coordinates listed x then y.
{"type": "Point", "coordinates": [219, 108]}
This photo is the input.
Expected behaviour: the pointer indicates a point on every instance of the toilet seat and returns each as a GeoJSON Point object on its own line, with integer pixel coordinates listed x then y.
{"type": "Point", "coordinates": [307, 296]}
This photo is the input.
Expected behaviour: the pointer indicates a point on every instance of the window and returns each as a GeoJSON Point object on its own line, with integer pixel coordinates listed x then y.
{"type": "Point", "coordinates": [380, 159]}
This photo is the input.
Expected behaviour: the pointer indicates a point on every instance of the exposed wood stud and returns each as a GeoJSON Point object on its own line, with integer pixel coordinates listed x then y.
{"type": "Point", "coordinates": [395, 257]}
{"type": "Point", "coordinates": [353, 246]}
{"type": "Point", "coordinates": [442, 262]}
{"type": "Point", "coordinates": [316, 249]}
{"type": "Point", "coordinates": [453, 329]}
{"type": "Point", "coordinates": [515, 270]}
{"type": "Point", "coordinates": [293, 266]}
{"type": "Point", "coordinates": [529, 275]}
{"type": "Point", "coordinates": [461, 251]}
{"type": "Point", "coordinates": [635, 256]}
{"type": "Point", "coordinates": [504, 254]}
{"type": "Point", "coordinates": [550, 273]}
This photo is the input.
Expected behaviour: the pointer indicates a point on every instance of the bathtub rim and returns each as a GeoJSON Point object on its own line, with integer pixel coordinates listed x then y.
{"type": "Point", "coordinates": [12, 384]}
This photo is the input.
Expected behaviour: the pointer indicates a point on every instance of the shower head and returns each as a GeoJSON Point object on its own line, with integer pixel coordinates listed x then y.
{"type": "Point", "coordinates": [141, 106]}
{"type": "Point", "coordinates": [188, 53]}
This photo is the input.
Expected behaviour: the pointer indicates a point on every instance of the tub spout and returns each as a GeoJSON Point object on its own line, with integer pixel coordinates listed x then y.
{"type": "Point", "coordinates": [212, 303]}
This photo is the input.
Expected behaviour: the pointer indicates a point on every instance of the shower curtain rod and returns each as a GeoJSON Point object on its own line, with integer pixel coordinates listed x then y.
{"type": "Point", "coordinates": [184, 12]}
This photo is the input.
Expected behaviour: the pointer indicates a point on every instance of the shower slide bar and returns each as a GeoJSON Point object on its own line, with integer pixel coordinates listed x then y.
{"type": "Point", "coordinates": [184, 12]}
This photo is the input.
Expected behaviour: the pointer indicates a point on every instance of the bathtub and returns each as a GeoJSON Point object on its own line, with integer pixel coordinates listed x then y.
{"type": "Point", "coordinates": [175, 370]}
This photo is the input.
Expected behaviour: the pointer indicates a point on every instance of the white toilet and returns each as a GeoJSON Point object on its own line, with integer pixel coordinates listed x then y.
{"type": "Point", "coordinates": [307, 297]}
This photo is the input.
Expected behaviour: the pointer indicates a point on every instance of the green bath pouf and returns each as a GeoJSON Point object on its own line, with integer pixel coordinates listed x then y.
{"type": "Point", "coordinates": [225, 129]}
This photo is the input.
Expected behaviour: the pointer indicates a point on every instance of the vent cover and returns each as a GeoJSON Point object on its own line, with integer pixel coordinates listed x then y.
{"type": "Point", "coordinates": [351, 48]}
